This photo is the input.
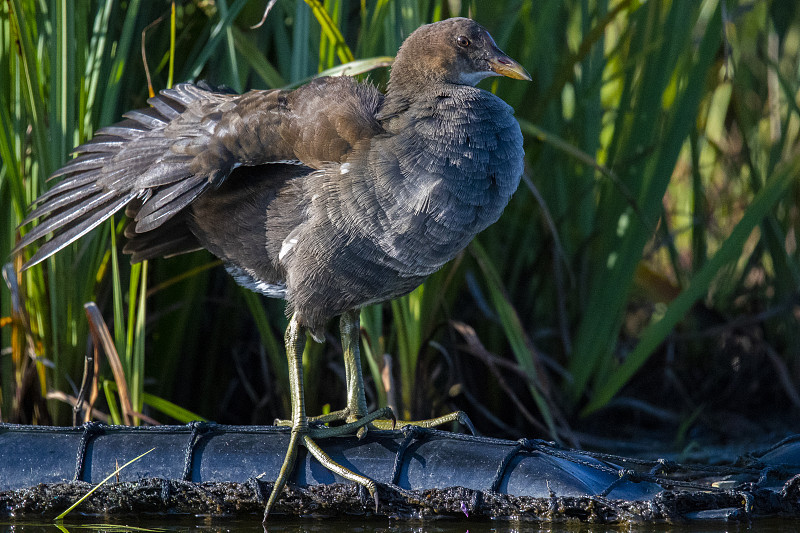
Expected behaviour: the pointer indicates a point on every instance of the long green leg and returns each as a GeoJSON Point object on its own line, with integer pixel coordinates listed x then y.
{"type": "Point", "coordinates": [301, 435]}
{"type": "Point", "coordinates": [356, 409]}
{"type": "Point", "coordinates": [354, 415]}
{"type": "Point", "coordinates": [295, 343]}
{"type": "Point", "coordinates": [350, 331]}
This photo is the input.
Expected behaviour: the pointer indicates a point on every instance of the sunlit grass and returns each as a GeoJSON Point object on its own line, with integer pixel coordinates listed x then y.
{"type": "Point", "coordinates": [661, 142]}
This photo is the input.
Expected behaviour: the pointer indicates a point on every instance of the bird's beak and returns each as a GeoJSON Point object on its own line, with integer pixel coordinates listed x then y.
{"type": "Point", "coordinates": [505, 66]}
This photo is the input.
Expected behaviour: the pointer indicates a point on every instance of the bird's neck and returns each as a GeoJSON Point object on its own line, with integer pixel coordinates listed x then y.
{"type": "Point", "coordinates": [404, 92]}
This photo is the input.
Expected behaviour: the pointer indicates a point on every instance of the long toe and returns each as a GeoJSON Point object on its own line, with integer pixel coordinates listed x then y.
{"type": "Point", "coordinates": [336, 468]}
{"type": "Point", "coordinates": [352, 428]}
{"type": "Point", "coordinates": [456, 416]}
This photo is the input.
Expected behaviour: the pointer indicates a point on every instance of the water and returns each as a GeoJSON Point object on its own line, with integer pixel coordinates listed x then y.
{"type": "Point", "coordinates": [389, 526]}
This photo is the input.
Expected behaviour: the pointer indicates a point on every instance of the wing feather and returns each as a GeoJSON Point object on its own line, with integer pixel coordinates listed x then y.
{"type": "Point", "coordinates": [188, 142]}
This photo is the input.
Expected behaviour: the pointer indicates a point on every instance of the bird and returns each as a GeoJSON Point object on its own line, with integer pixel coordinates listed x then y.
{"type": "Point", "coordinates": [332, 196]}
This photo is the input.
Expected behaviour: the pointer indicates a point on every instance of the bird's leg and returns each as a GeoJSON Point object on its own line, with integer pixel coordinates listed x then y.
{"type": "Point", "coordinates": [295, 339]}
{"type": "Point", "coordinates": [356, 409]}
{"type": "Point", "coordinates": [355, 412]}
{"type": "Point", "coordinates": [350, 330]}
{"type": "Point", "coordinates": [300, 434]}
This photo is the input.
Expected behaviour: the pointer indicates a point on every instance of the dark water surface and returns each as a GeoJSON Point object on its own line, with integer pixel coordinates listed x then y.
{"type": "Point", "coordinates": [386, 526]}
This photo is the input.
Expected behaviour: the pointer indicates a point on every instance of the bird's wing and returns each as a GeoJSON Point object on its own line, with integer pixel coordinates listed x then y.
{"type": "Point", "coordinates": [189, 141]}
{"type": "Point", "coordinates": [173, 237]}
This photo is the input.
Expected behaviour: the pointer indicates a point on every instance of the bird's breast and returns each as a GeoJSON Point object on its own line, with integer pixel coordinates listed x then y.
{"type": "Point", "coordinates": [401, 205]}
{"type": "Point", "coordinates": [444, 176]}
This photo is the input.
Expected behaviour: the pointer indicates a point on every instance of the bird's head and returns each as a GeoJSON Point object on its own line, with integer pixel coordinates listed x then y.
{"type": "Point", "coordinates": [457, 50]}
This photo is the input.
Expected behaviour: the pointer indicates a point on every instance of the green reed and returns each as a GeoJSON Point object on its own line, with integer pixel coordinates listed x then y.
{"type": "Point", "coordinates": [661, 142]}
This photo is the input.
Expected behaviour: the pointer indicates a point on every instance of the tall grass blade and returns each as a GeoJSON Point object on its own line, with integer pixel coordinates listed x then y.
{"type": "Point", "coordinates": [102, 337]}
{"type": "Point", "coordinates": [255, 58]}
{"type": "Point", "coordinates": [515, 334]}
{"type": "Point", "coordinates": [171, 69]}
{"type": "Point", "coordinates": [31, 86]}
{"type": "Point", "coordinates": [331, 31]}
{"type": "Point", "coordinates": [111, 96]}
{"type": "Point", "coordinates": [218, 33]}
{"type": "Point", "coordinates": [182, 415]}
{"type": "Point", "coordinates": [274, 348]}
{"type": "Point", "coordinates": [730, 250]}
{"type": "Point", "coordinates": [112, 474]}
{"type": "Point", "coordinates": [598, 332]}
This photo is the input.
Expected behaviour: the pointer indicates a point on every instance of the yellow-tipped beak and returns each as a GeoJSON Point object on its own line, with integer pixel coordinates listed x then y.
{"type": "Point", "coordinates": [505, 66]}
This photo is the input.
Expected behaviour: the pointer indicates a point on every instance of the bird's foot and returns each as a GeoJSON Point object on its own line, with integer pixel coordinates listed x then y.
{"type": "Point", "coordinates": [387, 422]}
{"type": "Point", "coordinates": [456, 416]}
{"type": "Point", "coordinates": [381, 419]}
{"type": "Point", "coordinates": [305, 435]}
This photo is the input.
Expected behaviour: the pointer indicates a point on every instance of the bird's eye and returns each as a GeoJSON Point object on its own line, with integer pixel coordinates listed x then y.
{"type": "Point", "coordinates": [462, 41]}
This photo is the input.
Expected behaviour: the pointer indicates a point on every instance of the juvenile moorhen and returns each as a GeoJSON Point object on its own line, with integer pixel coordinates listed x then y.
{"type": "Point", "coordinates": [331, 196]}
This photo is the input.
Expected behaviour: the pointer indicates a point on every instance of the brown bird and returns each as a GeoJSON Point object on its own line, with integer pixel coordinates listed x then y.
{"type": "Point", "coordinates": [331, 196]}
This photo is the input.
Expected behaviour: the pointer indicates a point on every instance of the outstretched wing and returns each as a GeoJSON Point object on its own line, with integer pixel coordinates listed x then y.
{"type": "Point", "coordinates": [163, 156]}
{"type": "Point", "coordinates": [189, 141]}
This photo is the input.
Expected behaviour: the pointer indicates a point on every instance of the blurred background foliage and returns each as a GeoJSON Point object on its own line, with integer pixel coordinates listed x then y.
{"type": "Point", "coordinates": [644, 277]}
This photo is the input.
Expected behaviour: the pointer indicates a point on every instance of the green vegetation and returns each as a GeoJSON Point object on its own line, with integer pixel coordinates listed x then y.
{"type": "Point", "coordinates": [653, 240]}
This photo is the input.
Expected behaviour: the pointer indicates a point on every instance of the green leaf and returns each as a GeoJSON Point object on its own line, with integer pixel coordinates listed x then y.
{"type": "Point", "coordinates": [626, 234]}
{"type": "Point", "coordinates": [730, 250]}
{"type": "Point", "coordinates": [515, 333]}
{"type": "Point", "coordinates": [170, 409]}
{"type": "Point", "coordinates": [331, 31]}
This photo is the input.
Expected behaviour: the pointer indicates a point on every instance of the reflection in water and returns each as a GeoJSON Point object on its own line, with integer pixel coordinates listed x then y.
{"type": "Point", "coordinates": [357, 525]}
